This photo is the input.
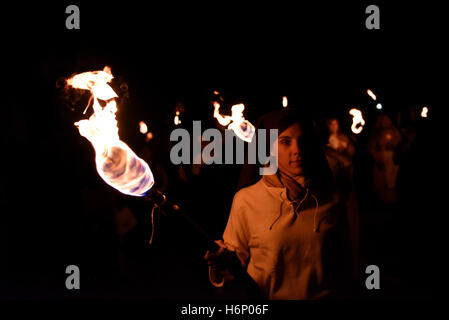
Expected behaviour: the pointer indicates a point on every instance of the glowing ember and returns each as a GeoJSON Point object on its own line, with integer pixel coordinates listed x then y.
{"type": "Point", "coordinates": [371, 94]}
{"type": "Point", "coordinates": [357, 121]}
{"type": "Point", "coordinates": [424, 112]}
{"type": "Point", "coordinates": [241, 127]}
{"type": "Point", "coordinates": [143, 127]}
{"type": "Point", "coordinates": [284, 102]}
{"type": "Point", "coordinates": [116, 163]}
{"type": "Point", "coordinates": [149, 136]}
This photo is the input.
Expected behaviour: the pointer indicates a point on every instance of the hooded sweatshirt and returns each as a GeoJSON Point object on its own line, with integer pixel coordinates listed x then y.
{"type": "Point", "coordinates": [290, 234]}
{"type": "Point", "coordinates": [292, 249]}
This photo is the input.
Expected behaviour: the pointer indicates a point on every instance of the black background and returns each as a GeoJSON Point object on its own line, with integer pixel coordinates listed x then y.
{"type": "Point", "coordinates": [318, 54]}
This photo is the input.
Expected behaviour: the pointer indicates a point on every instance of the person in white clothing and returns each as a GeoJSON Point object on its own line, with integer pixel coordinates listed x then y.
{"type": "Point", "coordinates": [289, 229]}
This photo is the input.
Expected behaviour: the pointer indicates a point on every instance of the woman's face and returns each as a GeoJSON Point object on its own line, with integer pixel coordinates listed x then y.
{"type": "Point", "coordinates": [289, 153]}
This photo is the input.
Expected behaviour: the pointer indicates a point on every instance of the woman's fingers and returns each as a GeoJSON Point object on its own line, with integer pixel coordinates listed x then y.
{"type": "Point", "coordinates": [211, 257]}
{"type": "Point", "coordinates": [220, 243]}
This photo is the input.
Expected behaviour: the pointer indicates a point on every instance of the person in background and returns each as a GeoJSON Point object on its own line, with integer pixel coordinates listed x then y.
{"type": "Point", "coordinates": [339, 152]}
{"type": "Point", "coordinates": [383, 147]}
{"type": "Point", "coordinates": [339, 148]}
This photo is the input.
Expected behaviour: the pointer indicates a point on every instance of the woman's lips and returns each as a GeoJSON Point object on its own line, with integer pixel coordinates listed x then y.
{"type": "Point", "coordinates": [296, 162]}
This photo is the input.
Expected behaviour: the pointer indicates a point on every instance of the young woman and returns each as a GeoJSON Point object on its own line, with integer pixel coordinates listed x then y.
{"type": "Point", "coordinates": [289, 229]}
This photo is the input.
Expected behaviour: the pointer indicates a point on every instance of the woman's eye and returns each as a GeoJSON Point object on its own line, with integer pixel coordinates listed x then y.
{"type": "Point", "coordinates": [285, 141]}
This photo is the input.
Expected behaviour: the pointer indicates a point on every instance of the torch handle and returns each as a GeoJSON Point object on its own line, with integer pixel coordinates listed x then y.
{"type": "Point", "coordinates": [169, 208]}
{"type": "Point", "coordinates": [230, 258]}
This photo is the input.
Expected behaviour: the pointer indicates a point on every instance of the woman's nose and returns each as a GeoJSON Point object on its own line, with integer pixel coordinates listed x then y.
{"type": "Point", "coordinates": [294, 147]}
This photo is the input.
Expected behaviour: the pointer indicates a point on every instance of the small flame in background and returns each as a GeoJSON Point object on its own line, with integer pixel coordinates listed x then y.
{"type": "Point", "coordinates": [116, 163]}
{"type": "Point", "coordinates": [284, 102]}
{"type": "Point", "coordinates": [218, 95]}
{"type": "Point", "coordinates": [149, 136]}
{"type": "Point", "coordinates": [177, 120]}
{"type": "Point", "coordinates": [357, 120]}
{"type": "Point", "coordinates": [424, 112]}
{"type": "Point", "coordinates": [241, 127]}
{"type": "Point", "coordinates": [143, 127]}
{"type": "Point", "coordinates": [371, 94]}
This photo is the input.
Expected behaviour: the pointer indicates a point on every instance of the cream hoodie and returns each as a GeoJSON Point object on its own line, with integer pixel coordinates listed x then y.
{"type": "Point", "coordinates": [290, 248]}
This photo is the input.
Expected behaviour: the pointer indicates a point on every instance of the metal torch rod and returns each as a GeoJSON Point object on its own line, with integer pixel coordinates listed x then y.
{"type": "Point", "coordinates": [159, 199]}
{"type": "Point", "coordinates": [230, 258]}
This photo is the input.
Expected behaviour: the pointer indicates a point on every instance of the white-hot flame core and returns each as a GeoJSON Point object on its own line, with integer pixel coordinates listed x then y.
{"type": "Point", "coordinates": [371, 94]}
{"type": "Point", "coordinates": [284, 102]}
{"type": "Point", "coordinates": [357, 121]}
{"type": "Point", "coordinates": [116, 163]}
{"type": "Point", "coordinates": [424, 112]}
{"type": "Point", "coordinates": [143, 127]}
{"type": "Point", "coordinates": [241, 127]}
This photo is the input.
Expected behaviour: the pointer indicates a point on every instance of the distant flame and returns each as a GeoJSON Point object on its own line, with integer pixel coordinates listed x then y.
{"type": "Point", "coordinates": [116, 163]}
{"type": "Point", "coordinates": [241, 127]}
{"type": "Point", "coordinates": [223, 120]}
{"type": "Point", "coordinates": [143, 127]}
{"type": "Point", "coordinates": [177, 120]}
{"type": "Point", "coordinates": [424, 112]}
{"type": "Point", "coordinates": [371, 94]}
{"type": "Point", "coordinates": [284, 102]}
{"type": "Point", "coordinates": [357, 121]}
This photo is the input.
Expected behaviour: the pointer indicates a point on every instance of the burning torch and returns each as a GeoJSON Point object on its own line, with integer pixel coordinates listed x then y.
{"type": "Point", "coordinates": [120, 167]}
{"type": "Point", "coordinates": [357, 120]}
{"type": "Point", "coordinates": [242, 128]}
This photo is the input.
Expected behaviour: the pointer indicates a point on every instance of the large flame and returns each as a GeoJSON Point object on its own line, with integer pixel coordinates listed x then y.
{"type": "Point", "coordinates": [116, 163]}
{"type": "Point", "coordinates": [357, 120]}
{"type": "Point", "coordinates": [241, 127]}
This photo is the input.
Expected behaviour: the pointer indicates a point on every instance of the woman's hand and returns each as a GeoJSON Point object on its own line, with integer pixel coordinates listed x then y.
{"type": "Point", "coordinates": [214, 259]}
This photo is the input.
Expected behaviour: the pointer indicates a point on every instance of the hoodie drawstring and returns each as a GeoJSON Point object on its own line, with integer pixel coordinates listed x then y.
{"type": "Point", "coordinates": [315, 227]}
{"type": "Point", "coordinates": [280, 213]}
